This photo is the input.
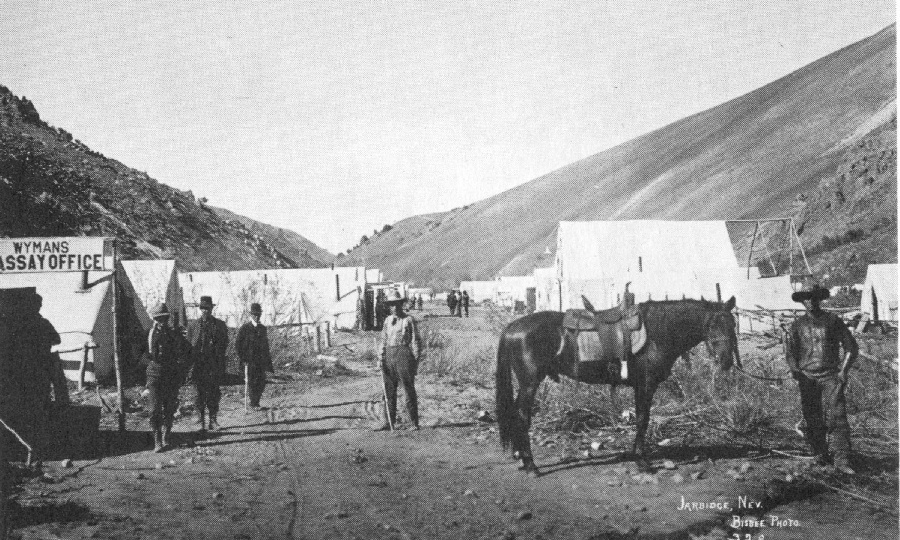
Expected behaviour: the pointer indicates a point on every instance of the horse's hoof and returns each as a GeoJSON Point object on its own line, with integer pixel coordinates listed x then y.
{"type": "Point", "coordinates": [534, 472]}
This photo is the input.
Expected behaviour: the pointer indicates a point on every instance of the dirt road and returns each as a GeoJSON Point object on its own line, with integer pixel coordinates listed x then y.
{"type": "Point", "coordinates": [311, 467]}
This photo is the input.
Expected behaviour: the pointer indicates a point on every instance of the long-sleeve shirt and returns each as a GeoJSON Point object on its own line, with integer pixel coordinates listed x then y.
{"type": "Point", "coordinates": [814, 342]}
{"type": "Point", "coordinates": [399, 331]}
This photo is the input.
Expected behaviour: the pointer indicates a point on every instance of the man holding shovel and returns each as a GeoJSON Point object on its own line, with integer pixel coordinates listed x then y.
{"type": "Point", "coordinates": [252, 346]}
{"type": "Point", "coordinates": [400, 351]}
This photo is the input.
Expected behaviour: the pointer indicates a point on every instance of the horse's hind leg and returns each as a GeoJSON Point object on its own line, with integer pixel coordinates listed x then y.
{"type": "Point", "coordinates": [524, 405]}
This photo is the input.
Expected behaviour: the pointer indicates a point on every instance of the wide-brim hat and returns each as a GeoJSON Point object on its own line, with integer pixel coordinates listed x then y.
{"type": "Point", "coordinates": [394, 297]}
{"type": "Point", "coordinates": [206, 302]}
{"type": "Point", "coordinates": [255, 309]}
{"type": "Point", "coordinates": [160, 310]}
{"type": "Point", "coordinates": [816, 292]}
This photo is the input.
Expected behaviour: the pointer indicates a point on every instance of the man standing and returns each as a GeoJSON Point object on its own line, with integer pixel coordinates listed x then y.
{"type": "Point", "coordinates": [401, 349]}
{"type": "Point", "coordinates": [812, 353]}
{"type": "Point", "coordinates": [465, 302]}
{"type": "Point", "coordinates": [208, 337]}
{"type": "Point", "coordinates": [252, 346]}
{"type": "Point", "coordinates": [451, 302]}
{"type": "Point", "coordinates": [164, 363]}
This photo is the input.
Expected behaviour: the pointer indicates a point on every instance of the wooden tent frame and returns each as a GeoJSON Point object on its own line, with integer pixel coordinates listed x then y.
{"type": "Point", "coordinates": [792, 235]}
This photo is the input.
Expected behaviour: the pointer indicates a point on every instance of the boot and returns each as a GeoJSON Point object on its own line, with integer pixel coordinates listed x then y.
{"type": "Point", "coordinates": [167, 436]}
{"type": "Point", "coordinates": [842, 464]}
{"type": "Point", "coordinates": [213, 424]}
{"type": "Point", "coordinates": [158, 445]}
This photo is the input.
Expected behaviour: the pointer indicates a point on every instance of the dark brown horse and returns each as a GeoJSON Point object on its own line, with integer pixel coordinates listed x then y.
{"type": "Point", "coordinates": [529, 348]}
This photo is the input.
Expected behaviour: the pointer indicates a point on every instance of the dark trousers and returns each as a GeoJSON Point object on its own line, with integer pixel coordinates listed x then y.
{"type": "Point", "coordinates": [400, 368]}
{"type": "Point", "coordinates": [452, 309]}
{"type": "Point", "coordinates": [825, 412]}
{"type": "Point", "coordinates": [256, 383]}
{"type": "Point", "coordinates": [466, 308]}
{"type": "Point", "coordinates": [162, 399]}
{"type": "Point", "coordinates": [208, 395]}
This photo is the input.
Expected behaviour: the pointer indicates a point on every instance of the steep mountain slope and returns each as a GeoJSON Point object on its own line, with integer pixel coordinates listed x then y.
{"type": "Point", "coordinates": [302, 250]}
{"type": "Point", "coordinates": [52, 184]}
{"type": "Point", "coordinates": [751, 157]}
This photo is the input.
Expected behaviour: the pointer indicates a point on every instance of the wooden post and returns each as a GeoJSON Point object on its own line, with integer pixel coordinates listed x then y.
{"type": "Point", "coordinates": [83, 367]}
{"type": "Point", "coordinates": [318, 339]}
{"type": "Point", "coordinates": [116, 359]}
{"type": "Point", "coordinates": [718, 293]}
{"type": "Point", "coordinates": [328, 335]}
{"type": "Point", "coordinates": [84, 281]}
{"type": "Point", "coordinates": [750, 253]}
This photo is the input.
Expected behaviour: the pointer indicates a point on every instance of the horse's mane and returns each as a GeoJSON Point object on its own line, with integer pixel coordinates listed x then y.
{"type": "Point", "coordinates": [660, 314]}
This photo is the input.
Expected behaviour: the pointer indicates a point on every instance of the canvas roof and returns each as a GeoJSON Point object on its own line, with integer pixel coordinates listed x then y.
{"type": "Point", "coordinates": [882, 279]}
{"type": "Point", "coordinates": [479, 290]}
{"type": "Point", "coordinates": [155, 281]}
{"type": "Point", "coordinates": [622, 249]}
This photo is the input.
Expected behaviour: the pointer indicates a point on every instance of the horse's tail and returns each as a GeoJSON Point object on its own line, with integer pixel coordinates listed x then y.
{"type": "Point", "coordinates": [505, 402]}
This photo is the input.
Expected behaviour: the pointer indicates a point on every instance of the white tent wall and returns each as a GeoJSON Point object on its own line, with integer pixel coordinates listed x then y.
{"type": "Point", "coordinates": [374, 275]}
{"type": "Point", "coordinates": [83, 317]}
{"type": "Point", "coordinates": [880, 287]}
{"type": "Point", "coordinates": [511, 289]}
{"type": "Point", "coordinates": [479, 291]}
{"type": "Point", "coordinates": [546, 289]}
{"type": "Point", "coordinates": [289, 296]}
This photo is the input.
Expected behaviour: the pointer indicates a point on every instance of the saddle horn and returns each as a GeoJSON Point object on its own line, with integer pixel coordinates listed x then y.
{"type": "Point", "coordinates": [587, 304]}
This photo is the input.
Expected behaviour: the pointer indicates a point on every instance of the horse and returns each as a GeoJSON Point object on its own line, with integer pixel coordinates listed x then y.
{"type": "Point", "coordinates": [532, 348]}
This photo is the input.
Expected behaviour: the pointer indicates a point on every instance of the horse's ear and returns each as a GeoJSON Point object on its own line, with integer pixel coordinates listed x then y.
{"type": "Point", "coordinates": [587, 304]}
{"type": "Point", "coordinates": [729, 305]}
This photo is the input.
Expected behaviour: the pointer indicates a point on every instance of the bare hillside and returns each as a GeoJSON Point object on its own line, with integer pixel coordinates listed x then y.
{"type": "Point", "coordinates": [758, 155]}
{"type": "Point", "coordinates": [51, 184]}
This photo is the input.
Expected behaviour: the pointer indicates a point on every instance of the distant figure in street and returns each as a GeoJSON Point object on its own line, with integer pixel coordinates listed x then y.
{"type": "Point", "coordinates": [459, 302]}
{"type": "Point", "coordinates": [252, 346]}
{"type": "Point", "coordinates": [164, 361]}
{"type": "Point", "coordinates": [208, 337]}
{"type": "Point", "coordinates": [400, 352]}
{"type": "Point", "coordinates": [812, 354]}
{"type": "Point", "coordinates": [451, 302]}
{"type": "Point", "coordinates": [465, 302]}
{"type": "Point", "coordinates": [419, 300]}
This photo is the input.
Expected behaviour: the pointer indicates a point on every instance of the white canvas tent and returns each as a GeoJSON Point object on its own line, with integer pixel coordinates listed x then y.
{"type": "Point", "coordinates": [84, 317]}
{"type": "Point", "coordinates": [287, 296]}
{"type": "Point", "coordinates": [662, 260]}
{"type": "Point", "coordinates": [479, 291]}
{"type": "Point", "coordinates": [155, 282]}
{"type": "Point", "coordinates": [374, 275]}
{"type": "Point", "coordinates": [512, 289]}
{"type": "Point", "coordinates": [879, 294]}
{"type": "Point", "coordinates": [597, 258]}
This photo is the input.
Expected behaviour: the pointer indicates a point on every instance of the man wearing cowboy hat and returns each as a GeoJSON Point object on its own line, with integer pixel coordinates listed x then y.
{"type": "Point", "coordinates": [813, 356]}
{"type": "Point", "coordinates": [164, 362]}
{"type": "Point", "coordinates": [208, 337]}
{"type": "Point", "coordinates": [252, 346]}
{"type": "Point", "coordinates": [401, 349]}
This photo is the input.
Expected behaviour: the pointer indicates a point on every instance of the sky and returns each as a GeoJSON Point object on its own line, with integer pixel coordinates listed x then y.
{"type": "Point", "coordinates": [334, 118]}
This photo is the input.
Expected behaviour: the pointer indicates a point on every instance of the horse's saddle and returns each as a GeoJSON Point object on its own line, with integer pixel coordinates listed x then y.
{"type": "Point", "coordinates": [610, 335]}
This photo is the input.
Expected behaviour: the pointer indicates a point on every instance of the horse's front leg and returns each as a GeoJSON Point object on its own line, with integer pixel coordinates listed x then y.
{"type": "Point", "coordinates": [643, 398]}
{"type": "Point", "coordinates": [524, 405]}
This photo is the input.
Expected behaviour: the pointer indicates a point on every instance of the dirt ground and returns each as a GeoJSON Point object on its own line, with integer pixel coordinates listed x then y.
{"type": "Point", "coordinates": [310, 466]}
